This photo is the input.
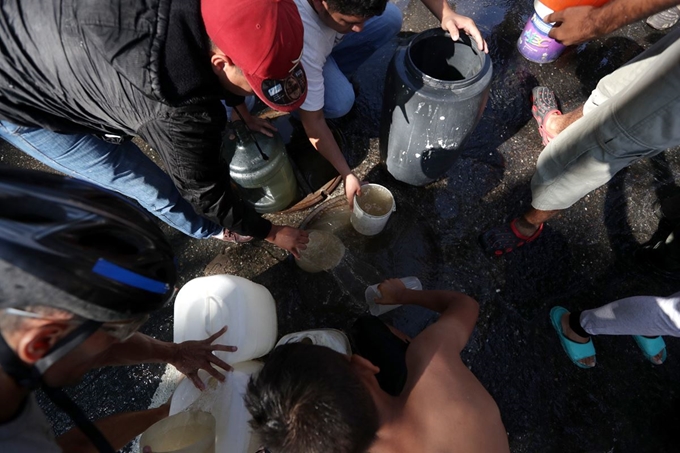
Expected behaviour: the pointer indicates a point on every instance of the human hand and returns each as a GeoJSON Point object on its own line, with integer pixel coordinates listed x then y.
{"type": "Point", "coordinates": [292, 239]}
{"type": "Point", "coordinates": [352, 187]}
{"type": "Point", "coordinates": [261, 125]}
{"type": "Point", "coordinates": [191, 356]}
{"type": "Point", "coordinates": [574, 25]}
{"type": "Point", "coordinates": [391, 291]}
{"type": "Point", "coordinates": [453, 22]}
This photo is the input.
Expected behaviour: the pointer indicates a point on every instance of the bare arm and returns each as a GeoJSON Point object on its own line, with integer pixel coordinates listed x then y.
{"type": "Point", "coordinates": [582, 23]}
{"type": "Point", "coordinates": [119, 429]}
{"type": "Point", "coordinates": [458, 311]}
{"type": "Point", "coordinates": [323, 141]}
{"type": "Point", "coordinates": [187, 357]}
{"type": "Point", "coordinates": [253, 123]}
{"type": "Point", "coordinates": [452, 22]}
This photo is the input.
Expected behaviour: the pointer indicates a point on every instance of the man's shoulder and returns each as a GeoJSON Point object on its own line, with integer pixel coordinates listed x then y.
{"type": "Point", "coordinates": [314, 27]}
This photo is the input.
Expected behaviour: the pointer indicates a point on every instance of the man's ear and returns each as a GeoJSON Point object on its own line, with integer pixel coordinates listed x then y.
{"type": "Point", "coordinates": [37, 342]}
{"type": "Point", "coordinates": [320, 5]}
{"type": "Point", "coordinates": [219, 61]}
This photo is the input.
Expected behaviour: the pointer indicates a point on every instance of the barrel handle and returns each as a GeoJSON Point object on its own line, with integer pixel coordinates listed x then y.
{"type": "Point", "coordinates": [209, 319]}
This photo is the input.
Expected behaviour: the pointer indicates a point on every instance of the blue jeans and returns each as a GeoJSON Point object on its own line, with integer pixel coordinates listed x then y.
{"type": "Point", "coordinates": [121, 168]}
{"type": "Point", "coordinates": [353, 50]}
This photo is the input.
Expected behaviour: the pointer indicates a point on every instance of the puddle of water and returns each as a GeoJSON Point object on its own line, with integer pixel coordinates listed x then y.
{"type": "Point", "coordinates": [405, 247]}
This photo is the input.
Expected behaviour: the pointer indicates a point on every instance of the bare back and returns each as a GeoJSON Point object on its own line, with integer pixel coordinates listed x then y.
{"type": "Point", "coordinates": [445, 408]}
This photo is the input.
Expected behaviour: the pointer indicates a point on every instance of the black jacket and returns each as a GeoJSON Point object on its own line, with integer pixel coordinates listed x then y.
{"type": "Point", "coordinates": [126, 67]}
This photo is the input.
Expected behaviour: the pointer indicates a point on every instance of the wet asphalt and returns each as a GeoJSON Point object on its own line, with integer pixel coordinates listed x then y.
{"type": "Point", "coordinates": [583, 259]}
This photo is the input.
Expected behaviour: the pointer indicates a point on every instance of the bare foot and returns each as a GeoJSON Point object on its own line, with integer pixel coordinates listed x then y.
{"type": "Point", "coordinates": [524, 227]}
{"type": "Point", "coordinates": [658, 359]}
{"type": "Point", "coordinates": [554, 124]}
{"type": "Point", "coordinates": [566, 330]}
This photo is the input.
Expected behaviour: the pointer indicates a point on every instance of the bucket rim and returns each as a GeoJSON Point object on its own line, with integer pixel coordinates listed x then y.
{"type": "Point", "coordinates": [371, 216]}
{"type": "Point", "coordinates": [464, 39]}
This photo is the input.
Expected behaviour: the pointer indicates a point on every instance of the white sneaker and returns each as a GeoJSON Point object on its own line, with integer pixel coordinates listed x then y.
{"type": "Point", "coordinates": [331, 338]}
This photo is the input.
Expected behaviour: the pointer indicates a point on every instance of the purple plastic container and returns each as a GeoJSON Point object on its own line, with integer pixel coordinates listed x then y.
{"type": "Point", "coordinates": [535, 44]}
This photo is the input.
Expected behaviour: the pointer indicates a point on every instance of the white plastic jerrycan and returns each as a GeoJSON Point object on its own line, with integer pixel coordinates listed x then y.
{"type": "Point", "coordinates": [206, 304]}
{"type": "Point", "coordinates": [225, 402]}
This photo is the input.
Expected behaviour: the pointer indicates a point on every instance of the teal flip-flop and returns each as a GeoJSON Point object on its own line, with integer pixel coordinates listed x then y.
{"type": "Point", "coordinates": [575, 351]}
{"type": "Point", "coordinates": [651, 347]}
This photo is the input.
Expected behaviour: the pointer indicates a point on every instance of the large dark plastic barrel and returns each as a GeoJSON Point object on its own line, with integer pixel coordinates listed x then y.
{"type": "Point", "coordinates": [435, 93]}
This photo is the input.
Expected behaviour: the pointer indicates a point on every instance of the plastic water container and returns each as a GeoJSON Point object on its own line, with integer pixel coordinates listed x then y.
{"type": "Point", "coordinates": [331, 338]}
{"type": "Point", "coordinates": [265, 180]}
{"type": "Point", "coordinates": [534, 43]}
{"type": "Point", "coordinates": [435, 93]}
{"type": "Point", "coordinates": [186, 432]}
{"type": "Point", "coordinates": [559, 5]}
{"type": "Point", "coordinates": [324, 251]}
{"type": "Point", "coordinates": [225, 402]}
{"type": "Point", "coordinates": [206, 304]}
{"type": "Point", "coordinates": [372, 209]}
{"type": "Point", "coordinates": [373, 293]}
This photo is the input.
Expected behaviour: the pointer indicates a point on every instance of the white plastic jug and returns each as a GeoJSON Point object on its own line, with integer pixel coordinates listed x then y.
{"type": "Point", "coordinates": [206, 304]}
{"type": "Point", "coordinates": [225, 402]}
{"type": "Point", "coordinates": [187, 432]}
{"type": "Point", "coordinates": [372, 209]}
{"type": "Point", "coordinates": [373, 293]}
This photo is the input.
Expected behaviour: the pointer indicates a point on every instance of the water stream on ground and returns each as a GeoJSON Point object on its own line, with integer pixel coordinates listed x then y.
{"type": "Point", "coordinates": [404, 248]}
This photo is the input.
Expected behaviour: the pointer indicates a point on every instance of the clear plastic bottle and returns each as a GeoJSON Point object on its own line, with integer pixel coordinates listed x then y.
{"type": "Point", "coordinates": [372, 293]}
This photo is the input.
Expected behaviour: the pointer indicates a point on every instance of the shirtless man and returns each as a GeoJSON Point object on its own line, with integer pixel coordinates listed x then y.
{"type": "Point", "coordinates": [312, 399]}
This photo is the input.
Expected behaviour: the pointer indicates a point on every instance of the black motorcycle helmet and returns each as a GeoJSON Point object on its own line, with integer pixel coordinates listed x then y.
{"type": "Point", "coordinates": [67, 244]}
{"type": "Point", "coordinates": [71, 245]}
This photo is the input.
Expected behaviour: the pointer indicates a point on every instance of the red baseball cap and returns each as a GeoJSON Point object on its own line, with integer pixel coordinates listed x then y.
{"type": "Point", "coordinates": [264, 39]}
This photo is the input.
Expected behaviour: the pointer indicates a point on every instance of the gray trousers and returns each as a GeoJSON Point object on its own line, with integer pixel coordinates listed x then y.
{"type": "Point", "coordinates": [633, 113]}
{"type": "Point", "coordinates": [639, 315]}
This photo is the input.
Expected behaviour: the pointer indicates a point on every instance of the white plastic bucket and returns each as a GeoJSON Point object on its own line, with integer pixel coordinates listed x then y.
{"type": "Point", "coordinates": [186, 432]}
{"type": "Point", "coordinates": [331, 338]}
{"type": "Point", "coordinates": [372, 209]}
{"type": "Point", "coordinates": [206, 304]}
{"type": "Point", "coordinates": [225, 402]}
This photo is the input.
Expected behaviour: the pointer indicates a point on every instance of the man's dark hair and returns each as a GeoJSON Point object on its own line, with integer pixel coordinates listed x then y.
{"type": "Point", "coordinates": [308, 399]}
{"type": "Point", "coordinates": [360, 8]}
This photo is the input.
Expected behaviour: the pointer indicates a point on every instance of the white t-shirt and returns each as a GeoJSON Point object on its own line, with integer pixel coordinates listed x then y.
{"type": "Point", "coordinates": [318, 45]}
{"type": "Point", "coordinates": [29, 432]}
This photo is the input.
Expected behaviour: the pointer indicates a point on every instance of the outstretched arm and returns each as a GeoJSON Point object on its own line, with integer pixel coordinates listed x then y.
{"type": "Point", "coordinates": [453, 22]}
{"type": "Point", "coordinates": [582, 23]}
{"type": "Point", "coordinates": [119, 429]}
{"type": "Point", "coordinates": [187, 357]}
{"type": "Point", "coordinates": [458, 311]}
{"type": "Point", "coordinates": [323, 141]}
